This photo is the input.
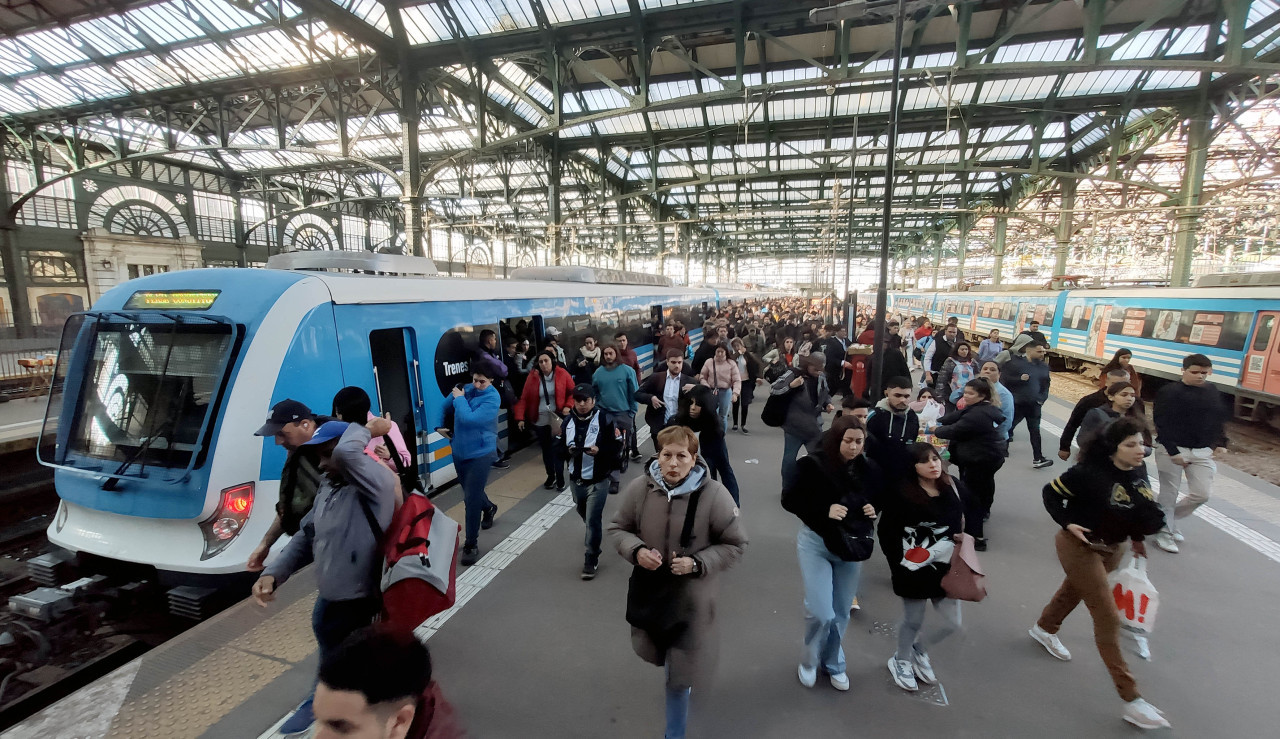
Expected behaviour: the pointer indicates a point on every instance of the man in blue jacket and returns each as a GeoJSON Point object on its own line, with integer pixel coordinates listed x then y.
{"type": "Point", "coordinates": [356, 496]}
{"type": "Point", "coordinates": [475, 439]}
{"type": "Point", "coordinates": [1027, 377]}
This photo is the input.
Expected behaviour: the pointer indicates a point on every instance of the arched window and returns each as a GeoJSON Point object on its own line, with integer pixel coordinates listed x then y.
{"type": "Point", "coordinates": [308, 232]}
{"type": "Point", "coordinates": [137, 211]}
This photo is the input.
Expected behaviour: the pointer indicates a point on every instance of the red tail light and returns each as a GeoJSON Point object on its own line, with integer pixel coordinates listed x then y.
{"type": "Point", "coordinates": [230, 518]}
{"type": "Point", "coordinates": [238, 500]}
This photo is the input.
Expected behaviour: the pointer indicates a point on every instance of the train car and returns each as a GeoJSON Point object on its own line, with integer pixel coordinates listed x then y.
{"type": "Point", "coordinates": [160, 386]}
{"type": "Point", "coordinates": [1236, 327]}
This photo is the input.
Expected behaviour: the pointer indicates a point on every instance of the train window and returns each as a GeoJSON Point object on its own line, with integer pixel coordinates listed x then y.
{"type": "Point", "coordinates": [655, 318]}
{"type": "Point", "coordinates": [1263, 336]}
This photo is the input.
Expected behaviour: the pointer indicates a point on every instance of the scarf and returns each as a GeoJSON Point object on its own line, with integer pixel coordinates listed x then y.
{"type": "Point", "coordinates": [586, 464]}
{"type": "Point", "coordinates": [690, 483]}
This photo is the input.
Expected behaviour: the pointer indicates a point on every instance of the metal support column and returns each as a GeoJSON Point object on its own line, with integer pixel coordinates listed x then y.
{"type": "Point", "coordinates": [411, 186]}
{"type": "Point", "coordinates": [11, 258]}
{"type": "Point", "coordinates": [961, 249]}
{"type": "Point", "coordinates": [1065, 228]}
{"type": "Point", "coordinates": [1188, 212]}
{"type": "Point", "coordinates": [553, 202]}
{"type": "Point", "coordinates": [997, 271]}
{"type": "Point", "coordinates": [937, 258]}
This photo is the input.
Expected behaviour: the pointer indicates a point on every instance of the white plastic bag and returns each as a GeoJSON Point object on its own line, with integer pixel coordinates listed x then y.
{"type": "Point", "coordinates": [1135, 597]}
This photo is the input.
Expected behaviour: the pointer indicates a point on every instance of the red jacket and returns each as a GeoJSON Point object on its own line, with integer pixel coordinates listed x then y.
{"type": "Point", "coordinates": [630, 359]}
{"type": "Point", "coordinates": [527, 407]}
{"type": "Point", "coordinates": [435, 717]}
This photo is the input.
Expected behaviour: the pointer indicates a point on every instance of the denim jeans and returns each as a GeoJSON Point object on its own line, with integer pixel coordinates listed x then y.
{"type": "Point", "coordinates": [590, 498]}
{"type": "Point", "coordinates": [913, 620]}
{"type": "Point", "coordinates": [791, 447]}
{"type": "Point", "coordinates": [550, 446]}
{"type": "Point", "coordinates": [716, 453]}
{"type": "Point", "coordinates": [677, 710]}
{"type": "Point", "coordinates": [473, 476]}
{"type": "Point", "coordinates": [332, 621]}
{"type": "Point", "coordinates": [1030, 412]}
{"type": "Point", "coordinates": [830, 584]}
{"type": "Point", "coordinates": [724, 404]}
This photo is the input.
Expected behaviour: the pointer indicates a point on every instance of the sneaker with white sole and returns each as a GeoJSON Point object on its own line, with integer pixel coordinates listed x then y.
{"type": "Point", "coordinates": [1142, 647]}
{"type": "Point", "coordinates": [903, 674]}
{"type": "Point", "coordinates": [1165, 541]}
{"type": "Point", "coordinates": [923, 667]}
{"type": "Point", "coordinates": [840, 681]}
{"type": "Point", "coordinates": [1144, 715]}
{"type": "Point", "coordinates": [1050, 642]}
{"type": "Point", "coordinates": [808, 676]}
{"type": "Point", "coordinates": [1178, 537]}
{"type": "Point", "coordinates": [855, 606]}
{"type": "Point", "coordinates": [1041, 463]}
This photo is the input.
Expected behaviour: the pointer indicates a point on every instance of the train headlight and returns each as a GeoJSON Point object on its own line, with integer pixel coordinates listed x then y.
{"type": "Point", "coordinates": [228, 521]}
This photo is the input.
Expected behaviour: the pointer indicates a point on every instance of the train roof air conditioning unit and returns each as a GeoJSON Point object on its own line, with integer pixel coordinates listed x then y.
{"type": "Point", "coordinates": [1239, 279]}
{"type": "Point", "coordinates": [364, 261]}
{"type": "Point", "coordinates": [597, 275]}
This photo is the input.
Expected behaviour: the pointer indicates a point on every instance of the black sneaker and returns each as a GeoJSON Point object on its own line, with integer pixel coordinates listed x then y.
{"type": "Point", "coordinates": [470, 555]}
{"type": "Point", "coordinates": [744, 430]}
{"type": "Point", "coordinates": [560, 485]}
{"type": "Point", "coordinates": [980, 545]}
{"type": "Point", "coordinates": [486, 518]}
{"type": "Point", "coordinates": [501, 464]}
{"type": "Point", "coordinates": [636, 457]}
{"type": "Point", "coordinates": [613, 488]}
{"type": "Point", "coordinates": [1041, 463]}
{"type": "Point", "coordinates": [735, 427]}
{"type": "Point", "coordinates": [588, 572]}
{"type": "Point", "coordinates": [550, 484]}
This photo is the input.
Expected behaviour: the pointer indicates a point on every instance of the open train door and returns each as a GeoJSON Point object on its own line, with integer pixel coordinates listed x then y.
{"type": "Point", "coordinates": [1262, 361]}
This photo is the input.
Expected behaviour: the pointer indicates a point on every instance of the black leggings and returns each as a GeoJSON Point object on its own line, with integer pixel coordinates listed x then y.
{"type": "Point", "coordinates": [739, 412]}
{"type": "Point", "coordinates": [980, 479]}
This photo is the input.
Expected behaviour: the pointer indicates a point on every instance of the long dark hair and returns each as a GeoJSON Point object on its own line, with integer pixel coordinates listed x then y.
{"type": "Point", "coordinates": [912, 490]}
{"type": "Point", "coordinates": [983, 386]}
{"type": "Point", "coordinates": [833, 436]}
{"type": "Point", "coordinates": [1115, 361]}
{"type": "Point", "coordinates": [1098, 450]}
{"type": "Point", "coordinates": [708, 419]}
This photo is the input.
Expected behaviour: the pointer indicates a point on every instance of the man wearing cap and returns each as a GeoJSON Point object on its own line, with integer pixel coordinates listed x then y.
{"type": "Point", "coordinates": [341, 534]}
{"type": "Point", "coordinates": [553, 344]}
{"type": "Point", "coordinates": [593, 444]}
{"type": "Point", "coordinates": [292, 424]}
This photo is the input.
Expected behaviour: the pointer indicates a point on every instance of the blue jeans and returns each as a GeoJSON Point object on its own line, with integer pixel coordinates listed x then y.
{"type": "Point", "coordinates": [830, 584]}
{"type": "Point", "coordinates": [724, 405]}
{"type": "Point", "coordinates": [473, 476]}
{"type": "Point", "coordinates": [590, 498]}
{"type": "Point", "coordinates": [716, 453]}
{"type": "Point", "coordinates": [677, 710]}
{"type": "Point", "coordinates": [791, 447]}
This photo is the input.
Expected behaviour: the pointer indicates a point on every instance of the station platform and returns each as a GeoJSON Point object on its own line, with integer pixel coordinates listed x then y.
{"type": "Point", "coordinates": [530, 650]}
{"type": "Point", "coordinates": [20, 421]}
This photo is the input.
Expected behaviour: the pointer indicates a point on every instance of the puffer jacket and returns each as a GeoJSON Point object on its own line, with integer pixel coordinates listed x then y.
{"type": "Point", "coordinates": [650, 514]}
{"type": "Point", "coordinates": [974, 434]}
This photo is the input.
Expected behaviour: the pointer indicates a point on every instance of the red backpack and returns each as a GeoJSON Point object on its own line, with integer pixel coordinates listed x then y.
{"type": "Point", "coordinates": [420, 563]}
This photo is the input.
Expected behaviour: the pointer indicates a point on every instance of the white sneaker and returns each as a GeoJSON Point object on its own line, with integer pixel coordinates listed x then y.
{"type": "Point", "coordinates": [1050, 642]}
{"type": "Point", "coordinates": [1167, 542]}
{"type": "Point", "coordinates": [903, 674]}
{"type": "Point", "coordinates": [1144, 715]}
{"type": "Point", "coordinates": [840, 681]}
{"type": "Point", "coordinates": [808, 676]}
{"type": "Point", "coordinates": [923, 668]}
{"type": "Point", "coordinates": [1141, 647]}
{"type": "Point", "coordinates": [854, 606]}
{"type": "Point", "coordinates": [1178, 537]}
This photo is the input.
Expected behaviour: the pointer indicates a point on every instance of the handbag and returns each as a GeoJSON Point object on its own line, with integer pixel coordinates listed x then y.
{"type": "Point", "coordinates": [965, 579]}
{"type": "Point", "coordinates": [775, 408]}
{"type": "Point", "coordinates": [657, 600]}
{"type": "Point", "coordinates": [1135, 597]}
{"type": "Point", "coordinates": [857, 547]}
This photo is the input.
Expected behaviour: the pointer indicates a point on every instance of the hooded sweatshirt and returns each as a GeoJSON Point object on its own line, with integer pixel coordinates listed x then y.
{"type": "Point", "coordinates": [892, 431]}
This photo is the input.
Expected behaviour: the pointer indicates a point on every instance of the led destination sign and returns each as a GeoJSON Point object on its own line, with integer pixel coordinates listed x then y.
{"type": "Point", "coordinates": [172, 299]}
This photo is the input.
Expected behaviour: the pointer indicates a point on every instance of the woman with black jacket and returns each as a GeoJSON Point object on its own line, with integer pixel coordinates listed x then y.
{"type": "Point", "coordinates": [920, 524]}
{"type": "Point", "coordinates": [749, 367]}
{"type": "Point", "coordinates": [1101, 503]}
{"type": "Point", "coordinates": [1122, 400]}
{"type": "Point", "coordinates": [698, 412]}
{"type": "Point", "coordinates": [978, 449]}
{"type": "Point", "coordinates": [832, 495]}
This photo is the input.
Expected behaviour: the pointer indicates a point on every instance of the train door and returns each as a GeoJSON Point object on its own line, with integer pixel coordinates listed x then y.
{"type": "Point", "coordinates": [1262, 361]}
{"type": "Point", "coordinates": [655, 320]}
{"type": "Point", "coordinates": [397, 380]}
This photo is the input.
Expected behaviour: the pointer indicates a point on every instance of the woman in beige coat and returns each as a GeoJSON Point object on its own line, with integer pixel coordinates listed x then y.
{"type": "Point", "coordinates": [648, 531]}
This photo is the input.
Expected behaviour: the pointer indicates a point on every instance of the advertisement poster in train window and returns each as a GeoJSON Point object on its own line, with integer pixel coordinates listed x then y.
{"type": "Point", "coordinates": [1220, 329]}
{"type": "Point", "coordinates": [1166, 328]}
{"type": "Point", "coordinates": [1134, 322]}
{"type": "Point", "coordinates": [1099, 327]}
{"type": "Point", "coordinates": [1078, 315]}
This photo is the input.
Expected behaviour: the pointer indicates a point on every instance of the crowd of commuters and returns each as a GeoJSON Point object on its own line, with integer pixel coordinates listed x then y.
{"type": "Point", "coordinates": [912, 467]}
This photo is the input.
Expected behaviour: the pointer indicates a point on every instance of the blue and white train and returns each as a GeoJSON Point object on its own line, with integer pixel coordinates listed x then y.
{"type": "Point", "coordinates": [161, 385]}
{"type": "Point", "coordinates": [1234, 326]}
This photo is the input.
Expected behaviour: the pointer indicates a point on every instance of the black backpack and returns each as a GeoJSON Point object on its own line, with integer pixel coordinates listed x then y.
{"type": "Point", "coordinates": [775, 408]}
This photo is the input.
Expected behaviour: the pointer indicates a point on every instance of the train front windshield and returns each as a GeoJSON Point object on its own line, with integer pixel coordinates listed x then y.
{"type": "Point", "coordinates": [138, 394]}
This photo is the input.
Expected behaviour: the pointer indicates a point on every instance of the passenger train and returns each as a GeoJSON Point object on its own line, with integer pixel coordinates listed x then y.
{"type": "Point", "coordinates": [160, 386]}
{"type": "Point", "coordinates": [1235, 326]}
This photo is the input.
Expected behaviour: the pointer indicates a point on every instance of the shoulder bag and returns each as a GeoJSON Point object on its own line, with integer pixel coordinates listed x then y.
{"type": "Point", "coordinates": [657, 601]}
{"type": "Point", "coordinates": [965, 579]}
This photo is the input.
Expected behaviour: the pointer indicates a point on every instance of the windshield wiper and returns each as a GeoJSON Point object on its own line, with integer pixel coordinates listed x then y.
{"type": "Point", "coordinates": [170, 419]}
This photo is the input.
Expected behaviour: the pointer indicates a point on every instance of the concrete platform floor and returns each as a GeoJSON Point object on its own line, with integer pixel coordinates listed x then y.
{"type": "Point", "coordinates": [539, 653]}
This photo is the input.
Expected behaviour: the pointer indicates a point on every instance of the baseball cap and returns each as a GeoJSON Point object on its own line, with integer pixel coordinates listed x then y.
{"type": "Point", "coordinates": [583, 391]}
{"type": "Point", "coordinates": [552, 331]}
{"type": "Point", "coordinates": [285, 412]}
{"type": "Point", "coordinates": [328, 431]}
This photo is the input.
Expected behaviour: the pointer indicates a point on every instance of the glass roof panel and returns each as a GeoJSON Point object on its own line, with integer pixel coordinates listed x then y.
{"type": "Point", "coordinates": [166, 23]}
{"type": "Point", "coordinates": [1190, 40]}
{"type": "Point", "coordinates": [1260, 9]}
{"type": "Point", "coordinates": [108, 35]}
{"type": "Point", "coordinates": [13, 58]}
{"type": "Point", "coordinates": [1041, 51]}
{"type": "Point", "coordinates": [54, 46]}
{"type": "Point", "coordinates": [370, 11]}
{"type": "Point", "coordinates": [483, 17]}
{"type": "Point", "coordinates": [563, 11]}
{"type": "Point", "coordinates": [423, 24]}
